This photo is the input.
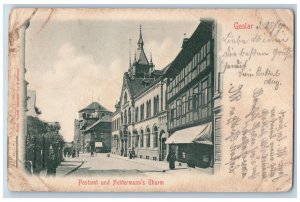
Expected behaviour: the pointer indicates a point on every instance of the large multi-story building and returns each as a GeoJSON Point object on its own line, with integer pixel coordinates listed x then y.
{"type": "Point", "coordinates": [193, 99]}
{"type": "Point", "coordinates": [94, 124]}
{"type": "Point", "coordinates": [139, 121]}
{"type": "Point", "coordinates": [97, 137]}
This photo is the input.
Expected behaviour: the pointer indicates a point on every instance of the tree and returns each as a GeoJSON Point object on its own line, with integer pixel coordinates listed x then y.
{"type": "Point", "coordinates": [40, 135]}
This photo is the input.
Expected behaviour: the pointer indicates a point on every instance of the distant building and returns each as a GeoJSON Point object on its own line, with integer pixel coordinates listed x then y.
{"type": "Point", "coordinates": [194, 90]}
{"type": "Point", "coordinates": [77, 134]}
{"type": "Point", "coordinates": [97, 137]}
{"type": "Point", "coordinates": [88, 116]}
{"type": "Point", "coordinates": [139, 121]}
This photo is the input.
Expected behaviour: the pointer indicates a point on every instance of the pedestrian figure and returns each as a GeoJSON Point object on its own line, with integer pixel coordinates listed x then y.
{"type": "Point", "coordinates": [78, 153]}
{"type": "Point", "coordinates": [171, 158]}
{"type": "Point", "coordinates": [130, 154]}
{"type": "Point", "coordinates": [65, 152]}
{"type": "Point", "coordinates": [73, 153]}
{"type": "Point", "coordinates": [133, 153]}
{"type": "Point", "coordinates": [51, 164]}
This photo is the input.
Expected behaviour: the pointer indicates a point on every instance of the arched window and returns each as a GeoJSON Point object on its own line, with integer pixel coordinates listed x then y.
{"type": "Point", "coordinates": [129, 115]}
{"type": "Point", "coordinates": [137, 139]}
{"type": "Point", "coordinates": [148, 138]}
{"type": "Point", "coordinates": [136, 114]}
{"type": "Point", "coordinates": [142, 138]}
{"type": "Point", "coordinates": [122, 118]}
{"type": "Point", "coordinates": [156, 105]}
{"type": "Point", "coordinates": [125, 117]}
{"type": "Point", "coordinates": [155, 136]}
{"type": "Point", "coordinates": [129, 139]}
{"type": "Point", "coordinates": [117, 142]}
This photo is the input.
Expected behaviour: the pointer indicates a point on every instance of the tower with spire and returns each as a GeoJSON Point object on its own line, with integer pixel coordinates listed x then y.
{"type": "Point", "coordinates": [140, 66]}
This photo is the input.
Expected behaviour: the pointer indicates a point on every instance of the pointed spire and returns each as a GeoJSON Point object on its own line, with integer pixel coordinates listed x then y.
{"type": "Point", "coordinates": [140, 41]}
{"type": "Point", "coordinates": [150, 57]}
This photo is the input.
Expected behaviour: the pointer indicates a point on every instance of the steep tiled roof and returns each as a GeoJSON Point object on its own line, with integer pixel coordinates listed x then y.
{"type": "Point", "coordinates": [137, 84]}
{"type": "Point", "coordinates": [142, 58]}
{"type": "Point", "coordinates": [94, 105]}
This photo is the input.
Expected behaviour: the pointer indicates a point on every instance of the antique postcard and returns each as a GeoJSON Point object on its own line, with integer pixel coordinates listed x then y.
{"type": "Point", "coordinates": [150, 100]}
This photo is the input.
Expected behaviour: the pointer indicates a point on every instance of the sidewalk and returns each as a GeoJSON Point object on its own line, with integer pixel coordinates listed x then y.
{"type": "Point", "coordinates": [65, 167]}
{"type": "Point", "coordinates": [163, 166]}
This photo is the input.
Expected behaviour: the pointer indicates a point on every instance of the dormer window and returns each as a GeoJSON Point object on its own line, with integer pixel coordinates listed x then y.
{"type": "Point", "coordinates": [125, 98]}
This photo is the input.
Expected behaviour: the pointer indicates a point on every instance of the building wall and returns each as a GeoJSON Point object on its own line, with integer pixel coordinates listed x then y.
{"type": "Point", "coordinates": [77, 135]}
{"type": "Point", "coordinates": [116, 127]}
{"type": "Point", "coordinates": [218, 108]}
{"type": "Point", "coordinates": [192, 95]}
{"type": "Point", "coordinates": [100, 133]}
{"type": "Point", "coordinates": [154, 123]}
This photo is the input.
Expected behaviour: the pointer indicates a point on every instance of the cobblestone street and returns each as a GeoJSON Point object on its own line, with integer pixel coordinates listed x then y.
{"type": "Point", "coordinates": [113, 165]}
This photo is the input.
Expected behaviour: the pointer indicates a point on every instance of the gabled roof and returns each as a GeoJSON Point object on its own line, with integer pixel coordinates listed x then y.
{"type": "Point", "coordinates": [94, 105]}
{"type": "Point", "coordinates": [136, 85]}
{"type": "Point", "coordinates": [106, 118]}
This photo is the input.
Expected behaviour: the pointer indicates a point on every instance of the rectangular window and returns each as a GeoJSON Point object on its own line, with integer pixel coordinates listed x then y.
{"type": "Point", "coordinates": [202, 66]}
{"type": "Point", "coordinates": [172, 115]}
{"type": "Point", "coordinates": [183, 104]}
{"type": "Point", "coordinates": [200, 56]}
{"type": "Point", "coordinates": [182, 84]}
{"type": "Point", "coordinates": [204, 92]}
{"type": "Point", "coordinates": [195, 102]}
{"type": "Point", "coordinates": [191, 92]}
{"type": "Point", "coordinates": [142, 112]}
{"type": "Point", "coordinates": [186, 79]}
{"type": "Point", "coordinates": [194, 62]}
{"type": "Point", "coordinates": [195, 73]}
{"type": "Point", "coordinates": [178, 109]}
{"type": "Point", "coordinates": [190, 103]}
{"type": "Point", "coordinates": [208, 60]}
{"type": "Point", "coordinates": [199, 68]}
{"type": "Point", "coordinates": [208, 46]}
{"type": "Point", "coordinates": [154, 106]}
{"type": "Point", "coordinates": [136, 114]}
{"type": "Point", "coordinates": [148, 109]}
{"type": "Point", "coordinates": [149, 113]}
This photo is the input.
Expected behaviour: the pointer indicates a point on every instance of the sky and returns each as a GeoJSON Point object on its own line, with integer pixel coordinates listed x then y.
{"type": "Point", "coordinates": [73, 58]}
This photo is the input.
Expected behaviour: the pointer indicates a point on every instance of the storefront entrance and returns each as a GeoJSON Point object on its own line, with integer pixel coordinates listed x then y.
{"type": "Point", "coordinates": [195, 155]}
{"type": "Point", "coordinates": [163, 146]}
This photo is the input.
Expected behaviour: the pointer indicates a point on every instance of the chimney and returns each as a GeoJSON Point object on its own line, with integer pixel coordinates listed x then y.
{"type": "Point", "coordinates": [185, 40]}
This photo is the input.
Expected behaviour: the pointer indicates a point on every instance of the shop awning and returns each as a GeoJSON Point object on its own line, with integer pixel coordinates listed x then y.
{"type": "Point", "coordinates": [197, 134]}
{"type": "Point", "coordinates": [98, 144]}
